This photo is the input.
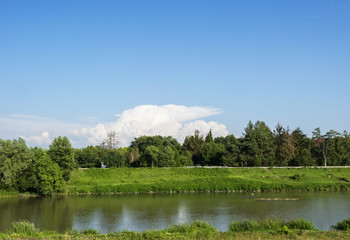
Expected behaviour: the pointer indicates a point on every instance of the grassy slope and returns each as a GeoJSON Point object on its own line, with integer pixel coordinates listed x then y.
{"type": "Point", "coordinates": [131, 180]}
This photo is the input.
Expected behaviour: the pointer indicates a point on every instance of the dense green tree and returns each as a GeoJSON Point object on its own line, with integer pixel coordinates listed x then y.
{"type": "Point", "coordinates": [62, 153]}
{"type": "Point", "coordinates": [231, 155]}
{"type": "Point", "coordinates": [159, 141]}
{"type": "Point", "coordinates": [344, 149]}
{"type": "Point", "coordinates": [302, 149]}
{"type": "Point", "coordinates": [194, 144]}
{"type": "Point", "coordinates": [209, 138]}
{"type": "Point", "coordinates": [113, 158]}
{"type": "Point", "coordinates": [166, 157]}
{"type": "Point", "coordinates": [212, 154]}
{"type": "Point", "coordinates": [257, 145]}
{"type": "Point", "coordinates": [184, 158]}
{"type": "Point", "coordinates": [15, 157]}
{"type": "Point", "coordinates": [284, 152]}
{"type": "Point", "coordinates": [155, 151]}
{"type": "Point", "coordinates": [45, 176]}
{"type": "Point", "coordinates": [325, 146]}
{"type": "Point", "coordinates": [88, 157]}
{"type": "Point", "coordinates": [150, 156]}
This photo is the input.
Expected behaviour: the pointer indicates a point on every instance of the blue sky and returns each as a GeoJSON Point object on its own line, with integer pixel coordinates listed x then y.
{"type": "Point", "coordinates": [75, 64]}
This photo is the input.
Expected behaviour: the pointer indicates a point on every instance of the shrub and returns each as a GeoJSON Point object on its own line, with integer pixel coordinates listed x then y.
{"type": "Point", "coordinates": [300, 224]}
{"type": "Point", "coordinates": [270, 224]}
{"type": "Point", "coordinates": [90, 231]}
{"type": "Point", "coordinates": [195, 228]}
{"type": "Point", "coordinates": [24, 228]}
{"type": "Point", "coordinates": [343, 225]}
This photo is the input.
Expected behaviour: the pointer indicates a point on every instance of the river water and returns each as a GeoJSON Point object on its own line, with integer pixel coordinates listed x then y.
{"type": "Point", "coordinates": [140, 212]}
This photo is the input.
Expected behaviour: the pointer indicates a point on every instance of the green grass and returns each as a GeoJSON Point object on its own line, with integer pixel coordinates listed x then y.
{"type": "Point", "coordinates": [246, 229]}
{"type": "Point", "coordinates": [167, 180]}
{"type": "Point", "coordinates": [5, 193]}
{"type": "Point", "coordinates": [270, 225]}
{"type": "Point", "coordinates": [24, 228]}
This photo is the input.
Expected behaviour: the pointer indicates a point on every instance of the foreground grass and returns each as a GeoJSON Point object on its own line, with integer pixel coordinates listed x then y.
{"type": "Point", "coordinates": [264, 229]}
{"type": "Point", "coordinates": [167, 180]}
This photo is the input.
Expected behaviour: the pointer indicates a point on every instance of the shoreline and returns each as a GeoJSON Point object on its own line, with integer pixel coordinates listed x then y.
{"type": "Point", "coordinates": [269, 228]}
{"type": "Point", "coordinates": [128, 181]}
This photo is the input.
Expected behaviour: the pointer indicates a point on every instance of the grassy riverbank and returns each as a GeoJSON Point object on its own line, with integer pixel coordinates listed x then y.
{"type": "Point", "coordinates": [166, 180]}
{"type": "Point", "coordinates": [246, 229]}
{"type": "Point", "coordinates": [6, 194]}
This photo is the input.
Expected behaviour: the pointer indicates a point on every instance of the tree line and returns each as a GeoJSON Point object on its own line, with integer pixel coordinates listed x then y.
{"type": "Point", "coordinates": [46, 171]}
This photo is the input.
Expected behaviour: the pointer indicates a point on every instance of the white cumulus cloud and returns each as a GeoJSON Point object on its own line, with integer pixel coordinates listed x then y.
{"type": "Point", "coordinates": [43, 139]}
{"type": "Point", "coordinates": [168, 120]}
{"type": "Point", "coordinates": [177, 121]}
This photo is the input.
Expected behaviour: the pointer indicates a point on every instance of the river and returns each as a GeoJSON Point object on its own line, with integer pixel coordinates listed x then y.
{"type": "Point", "coordinates": [140, 212]}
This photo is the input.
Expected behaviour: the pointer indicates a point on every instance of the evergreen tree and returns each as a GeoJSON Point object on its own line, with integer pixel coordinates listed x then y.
{"type": "Point", "coordinates": [194, 144]}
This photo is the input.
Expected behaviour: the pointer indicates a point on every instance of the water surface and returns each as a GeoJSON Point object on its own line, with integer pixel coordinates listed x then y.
{"type": "Point", "coordinates": [140, 212]}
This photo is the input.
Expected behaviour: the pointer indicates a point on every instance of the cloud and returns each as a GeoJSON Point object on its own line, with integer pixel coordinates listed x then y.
{"type": "Point", "coordinates": [168, 120]}
{"type": "Point", "coordinates": [177, 121]}
{"type": "Point", "coordinates": [37, 131]}
{"type": "Point", "coordinates": [43, 139]}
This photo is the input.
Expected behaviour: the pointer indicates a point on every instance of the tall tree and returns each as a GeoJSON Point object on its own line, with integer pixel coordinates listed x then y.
{"type": "Point", "coordinates": [209, 137]}
{"type": "Point", "coordinates": [302, 149]}
{"type": "Point", "coordinates": [324, 144]}
{"type": "Point", "coordinates": [62, 153]}
{"type": "Point", "coordinates": [45, 175]}
{"type": "Point", "coordinates": [257, 145]}
{"type": "Point", "coordinates": [284, 145]}
{"type": "Point", "coordinates": [231, 143]}
{"type": "Point", "coordinates": [194, 144]}
{"type": "Point", "coordinates": [15, 157]}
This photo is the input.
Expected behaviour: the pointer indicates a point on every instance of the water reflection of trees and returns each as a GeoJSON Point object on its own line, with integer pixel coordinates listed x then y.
{"type": "Point", "coordinates": [46, 213]}
{"type": "Point", "coordinates": [139, 212]}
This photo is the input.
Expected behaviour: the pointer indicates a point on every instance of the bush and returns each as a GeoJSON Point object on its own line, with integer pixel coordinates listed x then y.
{"type": "Point", "coordinates": [300, 224]}
{"type": "Point", "coordinates": [24, 228]}
{"type": "Point", "coordinates": [270, 224]}
{"type": "Point", "coordinates": [90, 231]}
{"type": "Point", "coordinates": [195, 229]}
{"type": "Point", "coordinates": [343, 225]}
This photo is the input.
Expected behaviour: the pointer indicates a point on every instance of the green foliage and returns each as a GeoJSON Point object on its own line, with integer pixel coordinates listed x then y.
{"type": "Point", "coordinates": [231, 154]}
{"type": "Point", "coordinates": [90, 231]}
{"type": "Point", "coordinates": [45, 175]}
{"type": "Point", "coordinates": [88, 157]}
{"type": "Point", "coordinates": [297, 177]}
{"type": "Point", "coordinates": [157, 151]}
{"type": "Point", "coordinates": [113, 158]}
{"type": "Point", "coordinates": [24, 228]}
{"type": "Point", "coordinates": [300, 224]}
{"type": "Point", "coordinates": [257, 146]}
{"type": "Point", "coordinates": [270, 225]}
{"type": "Point", "coordinates": [284, 145]}
{"type": "Point", "coordinates": [195, 144]}
{"type": "Point", "coordinates": [62, 153]}
{"type": "Point", "coordinates": [246, 229]}
{"type": "Point", "coordinates": [343, 225]}
{"type": "Point", "coordinates": [198, 229]}
{"type": "Point", "coordinates": [15, 157]}
{"type": "Point", "coordinates": [213, 154]}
